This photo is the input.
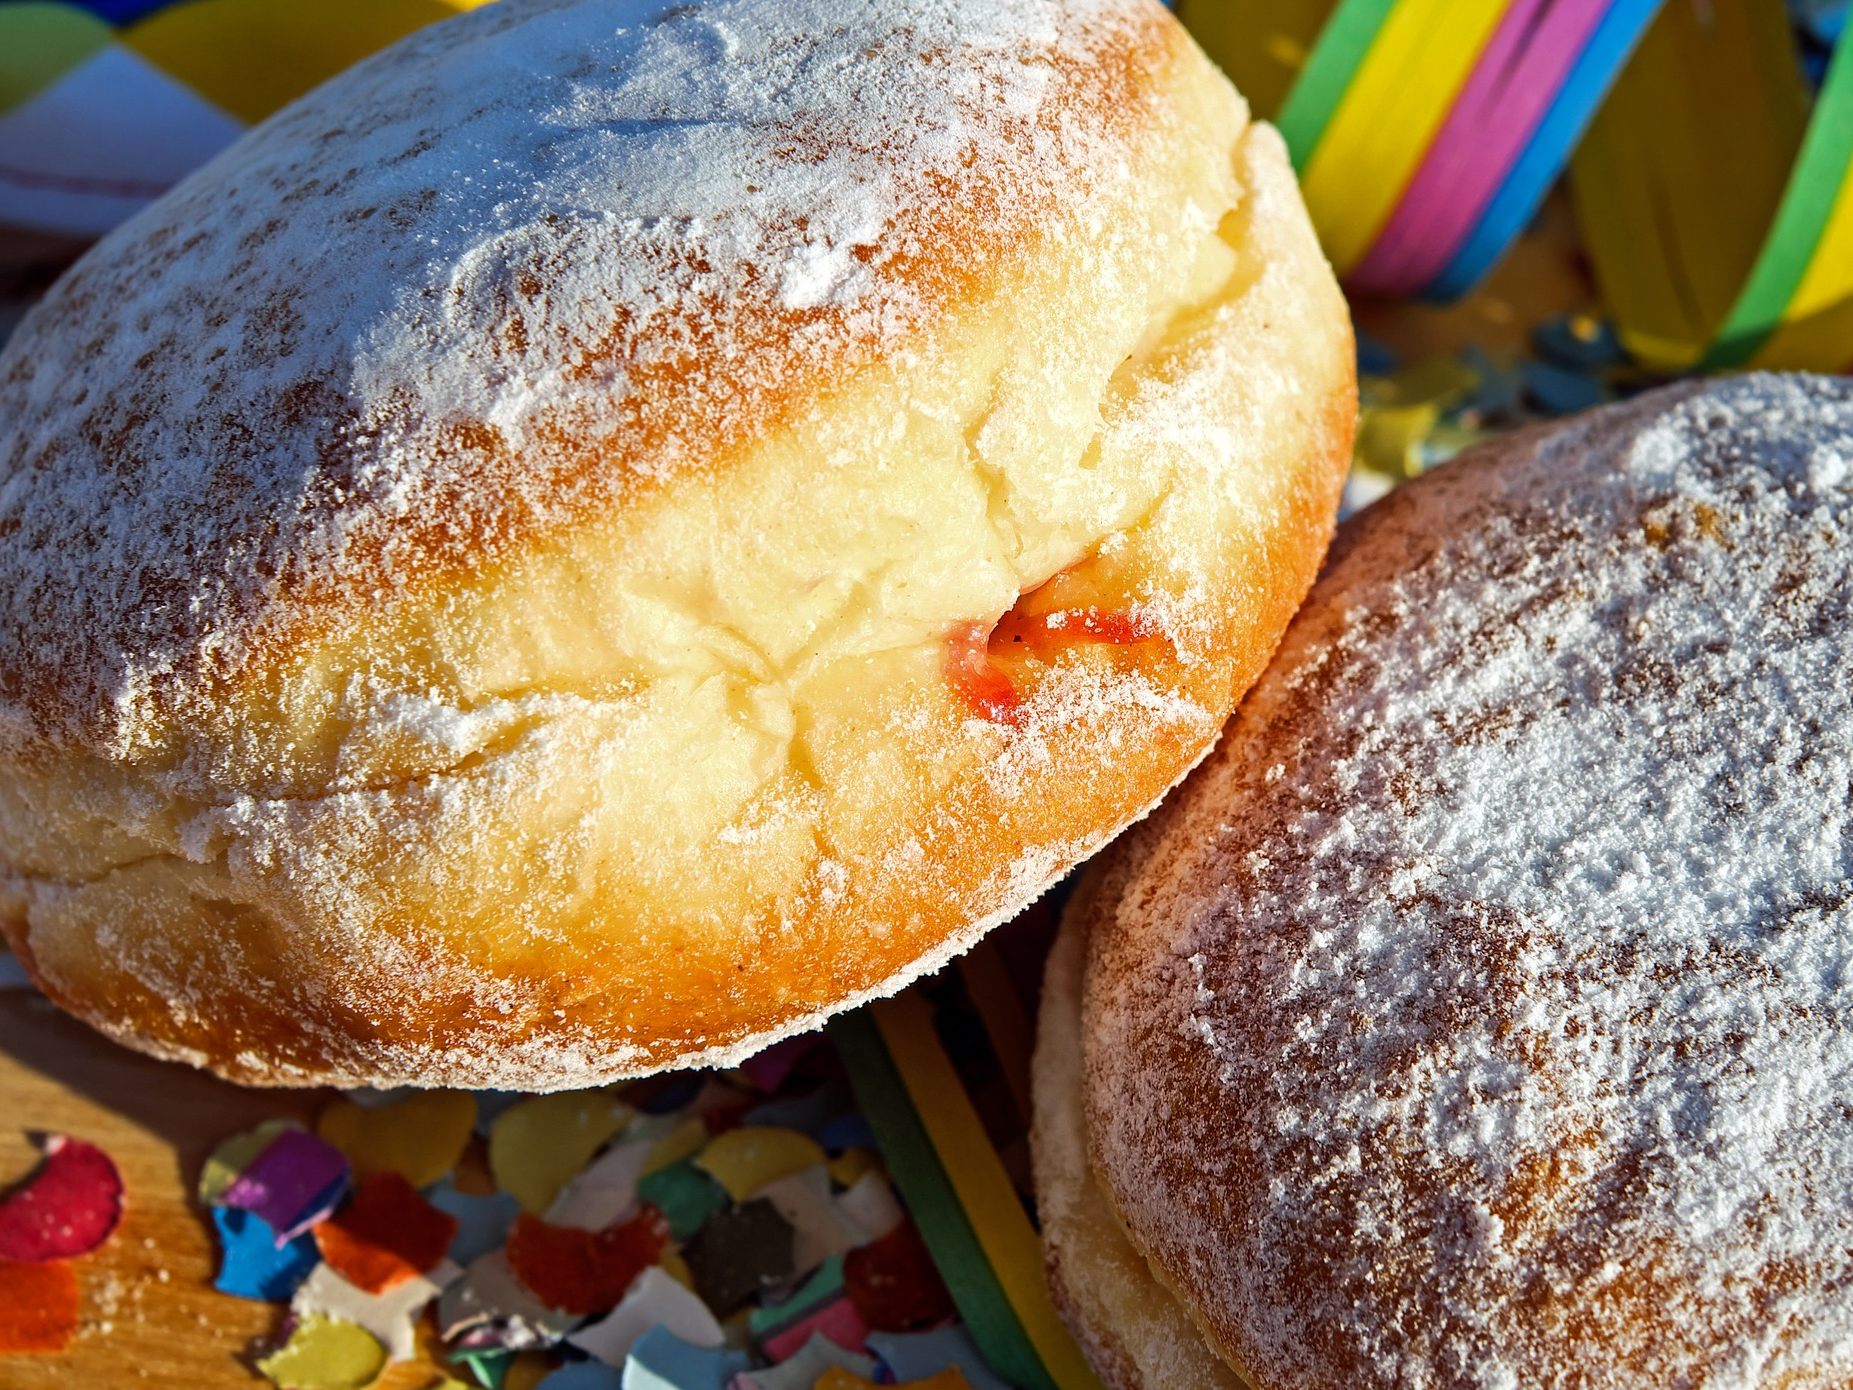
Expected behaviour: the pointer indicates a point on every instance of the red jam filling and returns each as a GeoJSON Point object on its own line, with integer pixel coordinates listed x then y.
{"type": "Point", "coordinates": [987, 688]}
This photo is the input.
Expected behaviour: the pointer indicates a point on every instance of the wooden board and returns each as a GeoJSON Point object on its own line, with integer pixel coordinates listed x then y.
{"type": "Point", "coordinates": [150, 1315]}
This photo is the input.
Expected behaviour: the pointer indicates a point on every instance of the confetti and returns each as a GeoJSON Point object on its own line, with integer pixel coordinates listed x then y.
{"type": "Point", "coordinates": [850, 1165]}
{"type": "Point", "coordinates": [489, 1367]}
{"type": "Point", "coordinates": [489, 1302]}
{"type": "Point", "coordinates": [67, 1208]}
{"type": "Point", "coordinates": [919, 1355]}
{"type": "Point", "coordinates": [745, 1160]}
{"type": "Point", "coordinates": [803, 1371]}
{"type": "Point", "coordinates": [536, 1146]}
{"type": "Point", "coordinates": [584, 1272]}
{"type": "Point", "coordinates": [870, 1205]}
{"type": "Point", "coordinates": [839, 1321]}
{"type": "Point", "coordinates": [740, 1254]}
{"type": "Point", "coordinates": [847, 1132]}
{"type": "Point", "coordinates": [825, 1286]}
{"type": "Point", "coordinates": [252, 1264]}
{"type": "Point", "coordinates": [293, 1183]}
{"type": "Point", "coordinates": [820, 1227]}
{"type": "Point", "coordinates": [683, 1141]}
{"type": "Point", "coordinates": [389, 1317]}
{"type": "Point", "coordinates": [604, 1193]}
{"type": "Point", "coordinates": [233, 1156]}
{"type": "Point", "coordinates": [385, 1235]}
{"type": "Point", "coordinates": [684, 1194]}
{"type": "Point", "coordinates": [768, 1070]}
{"type": "Point", "coordinates": [482, 1222]}
{"type": "Point", "coordinates": [660, 1360]}
{"type": "Point", "coordinates": [653, 1300]}
{"type": "Point", "coordinates": [324, 1354]}
{"type": "Point", "coordinates": [419, 1137]}
{"type": "Point", "coordinates": [894, 1283]}
{"type": "Point", "coordinates": [590, 1375]}
{"type": "Point", "coordinates": [38, 1307]}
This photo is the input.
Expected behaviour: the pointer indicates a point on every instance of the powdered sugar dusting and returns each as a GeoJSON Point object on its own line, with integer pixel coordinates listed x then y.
{"type": "Point", "coordinates": [1479, 1017]}
{"type": "Point", "coordinates": [517, 267]}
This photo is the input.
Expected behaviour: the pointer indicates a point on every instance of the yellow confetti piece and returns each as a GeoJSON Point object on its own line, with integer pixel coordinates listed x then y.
{"type": "Point", "coordinates": [526, 1371]}
{"type": "Point", "coordinates": [537, 1146]}
{"type": "Point", "coordinates": [681, 1142]}
{"type": "Point", "coordinates": [323, 1354]}
{"type": "Point", "coordinates": [677, 1269]}
{"type": "Point", "coordinates": [848, 1167]}
{"type": "Point", "coordinates": [1390, 438]}
{"type": "Point", "coordinates": [745, 1160]}
{"type": "Point", "coordinates": [420, 1138]}
{"type": "Point", "coordinates": [233, 1156]}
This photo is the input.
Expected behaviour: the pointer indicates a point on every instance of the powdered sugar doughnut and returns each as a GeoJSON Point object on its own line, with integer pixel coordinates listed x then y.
{"type": "Point", "coordinates": [615, 529]}
{"type": "Point", "coordinates": [1479, 1015]}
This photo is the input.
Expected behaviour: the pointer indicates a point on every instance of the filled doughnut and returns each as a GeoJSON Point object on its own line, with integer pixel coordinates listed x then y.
{"type": "Point", "coordinates": [1479, 1015]}
{"type": "Point", "coordinates": [613, 530]}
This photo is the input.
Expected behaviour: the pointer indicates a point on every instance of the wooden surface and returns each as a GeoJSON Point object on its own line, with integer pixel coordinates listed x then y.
{"type": "Point", "coordinates": [150, 1315]}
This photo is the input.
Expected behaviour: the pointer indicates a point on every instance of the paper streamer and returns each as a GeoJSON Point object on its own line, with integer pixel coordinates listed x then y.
{"type": "Point", "coordinates": [972, 1216]}
{"type": "Point", "coordinates": [1427, 133]}
{"type": "Point", "coordinates": [1716, 207]}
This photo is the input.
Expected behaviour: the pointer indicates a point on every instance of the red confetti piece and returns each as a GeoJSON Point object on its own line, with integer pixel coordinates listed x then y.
{"type": "Point", "coordinates": [584, 1272]}
{"type": "Point", "coordinates": [386, 1235]}
{"type": "Point", "coordinates": [67, 1208]}
{"type": "Point", "coordinates": [894, 1284]}
{"type": "Point", "coordinates": [38, 1307]}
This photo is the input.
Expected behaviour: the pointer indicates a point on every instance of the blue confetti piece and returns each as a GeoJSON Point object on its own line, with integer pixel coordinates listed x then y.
{"type": "Point", "coordinates": [923, 1355]}
{"type": "Point", "coordinates": [583, 1375]}
{"type": "Point", "coordinates": [1578, 342]}
{"type": "Point", "coordinates": [482, 1222]}
{"type": "Point", "coordinates": [809, 1113]}
{"type": "Point", "coordinates": [663, 1361]}
{"type": "Point", "coordinates": [1559, 391]}
{"type": "Point", "coordinates": [677, 1092]}
{"type": "Point", "coordinates": [1374, 357]}
{"type": "Point", "coordinates": [849, 1131]}
{"type": "Point", "coordinates": [251, 1265]}
{"type": "Point", "coordinates": [1497, 392]}
{"type": "Point", "coordinates": [121, 12]}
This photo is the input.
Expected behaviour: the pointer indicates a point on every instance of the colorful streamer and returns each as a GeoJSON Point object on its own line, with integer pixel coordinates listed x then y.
{"type": "Point", "coordinates": [1427, 132]}
{"type": "Point", "coordinates": [1721, 230]}
{"type": "Point", "coordinates": [974, 1215]}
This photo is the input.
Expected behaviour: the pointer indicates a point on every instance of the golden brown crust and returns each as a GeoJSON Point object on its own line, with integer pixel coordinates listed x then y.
{"type": "Point", "coordinates": [654, 778]}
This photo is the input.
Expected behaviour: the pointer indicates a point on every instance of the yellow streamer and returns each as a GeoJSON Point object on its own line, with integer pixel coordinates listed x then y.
{"type": "Point", "coordinates": [977, 1175]}
{"type": "Point", "coordinates": [1818, 331]}
{"type": "Point", "coordinates": [1388, 119]}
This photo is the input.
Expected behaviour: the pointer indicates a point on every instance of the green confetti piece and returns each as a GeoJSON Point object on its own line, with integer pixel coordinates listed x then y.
{"type": "Point", "coordinates": [326, 1354]}
{"type": "Point", "coordinates": [490, 1367]}
{"type": "Point", "coordinates": [823, 1286]}
{"type": "Point", "coordinates": [684, 1194]}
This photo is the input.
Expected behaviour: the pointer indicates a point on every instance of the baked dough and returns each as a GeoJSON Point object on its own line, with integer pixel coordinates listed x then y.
{"type": "Point", "coordinates": [613, 530]}
{"type": "Point", "coordinates": [1478, 1015]}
